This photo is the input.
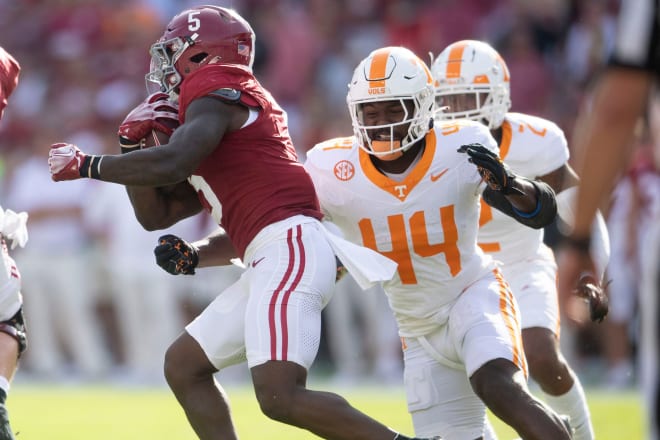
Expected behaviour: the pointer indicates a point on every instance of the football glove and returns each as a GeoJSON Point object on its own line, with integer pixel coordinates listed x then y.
{"type": "Point", "coordinates": [144, 118]}
{"type": "Point", "coordinates": [176, 256]}
{"type": "Point", "coordinates": [594, 294]}
{"type": "Point", "coordinates": [491, 168]}
{"type": "Point", "coordinates": [68, 162]}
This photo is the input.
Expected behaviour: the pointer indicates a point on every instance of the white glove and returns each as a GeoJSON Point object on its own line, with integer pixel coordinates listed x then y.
{"type": "Point", "coordinates": [13, 226]}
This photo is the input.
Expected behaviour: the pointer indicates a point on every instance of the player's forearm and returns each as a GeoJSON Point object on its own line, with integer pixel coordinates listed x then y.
{"type": "Point", "coordinates": [215, 250]}
{"type": "Point", "coordinates": [541, 215]}
{"type": "Point", "coordinates": [602, 144]}
{"type": "Point", "coordinates": [150, 167]}
{"type": "Point", "coordinates": [525, 200]}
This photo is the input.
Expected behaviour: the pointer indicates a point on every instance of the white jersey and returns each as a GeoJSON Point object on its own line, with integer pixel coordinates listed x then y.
{"type": "Point", "coordinates": [531, 147]}
{"type": "Point", "coordinates": [426, 222]}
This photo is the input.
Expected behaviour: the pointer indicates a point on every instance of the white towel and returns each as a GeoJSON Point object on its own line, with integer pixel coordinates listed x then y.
{"type": "Point", "coordinates": [13, 226]}
{"type": "Point", "coordinates": [367, 266]}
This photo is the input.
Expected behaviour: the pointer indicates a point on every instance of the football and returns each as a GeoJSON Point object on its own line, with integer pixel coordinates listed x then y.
{"type": "Point", "coordinates": [157, 137]}
{"type": "Point", "coordinates": [154, 139]}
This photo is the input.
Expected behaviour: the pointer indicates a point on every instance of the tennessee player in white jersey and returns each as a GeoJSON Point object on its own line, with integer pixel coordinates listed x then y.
{"type": "Point", "coordinates": [408, 190]}
{"type": "Point", "coordinates": [472, 80]}
{"type": "Point", "coordinates": [430, 218]}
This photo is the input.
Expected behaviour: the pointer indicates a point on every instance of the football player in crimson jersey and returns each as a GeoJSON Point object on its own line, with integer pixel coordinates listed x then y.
{"type": "Point", "coordinates": [13, 229]}
{"type": "Point", "coordinates": [411, 190]}
{"type": "Point", "coordinates": [233, 156]}
{"type": "Point", "coordinates": [473, 82]}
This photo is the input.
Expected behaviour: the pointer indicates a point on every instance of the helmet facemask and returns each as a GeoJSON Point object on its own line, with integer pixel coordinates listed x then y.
{"type": "Point", "coordinates": [390, 141]}
{"type": "Point", "coordinates": [483, 103]}
{"type": "Point", "coordinates": [195, 38]}
{"type": "Point", "coordinates": [163, 75]}
{"type": "Point", "coordinates": [390, 100]}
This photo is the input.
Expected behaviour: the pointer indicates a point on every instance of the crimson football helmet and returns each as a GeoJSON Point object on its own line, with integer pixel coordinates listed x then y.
{"type": "Point", "coordinates": [391, 74]}
{"type": "Point", "coordinates": [472, 82]}
{"type": "Point", "coordinates": [197, 37]}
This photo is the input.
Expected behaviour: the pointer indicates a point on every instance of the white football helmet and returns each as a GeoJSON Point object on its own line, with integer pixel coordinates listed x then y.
{"type": "Point", "coordinates": [474, 68]}
{"type": "Point", "coordinates": [392, 74]}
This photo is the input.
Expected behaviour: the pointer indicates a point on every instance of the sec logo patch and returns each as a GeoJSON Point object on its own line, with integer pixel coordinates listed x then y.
{"type": "Point", "coordinates": [344, 170]}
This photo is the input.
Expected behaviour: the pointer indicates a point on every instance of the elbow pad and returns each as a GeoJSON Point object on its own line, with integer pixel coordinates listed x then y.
{"type": "Point", "coordinates": [600, 240]}
{"type": "Point", "coordinates": [542, 216]}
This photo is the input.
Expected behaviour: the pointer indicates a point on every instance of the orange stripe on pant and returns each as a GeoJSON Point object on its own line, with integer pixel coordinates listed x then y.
{"type": "Point", "coordinates": [508, 311]}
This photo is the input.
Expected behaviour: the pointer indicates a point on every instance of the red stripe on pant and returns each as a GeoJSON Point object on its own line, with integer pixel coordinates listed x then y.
{"type": "Point", "coordinates": [296, 273]}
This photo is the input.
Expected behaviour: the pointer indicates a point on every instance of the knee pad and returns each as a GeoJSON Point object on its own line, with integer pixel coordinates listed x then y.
{"type": "Point", "coordinates": [441, 402]}
{"type": "Point", "coordinates": [15, 327]}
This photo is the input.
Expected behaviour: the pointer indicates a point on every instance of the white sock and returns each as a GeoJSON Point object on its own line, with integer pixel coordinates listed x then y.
{"type": "Point", "coordinates": [574, 404]}
{"type": "Point", "coordinates": [4, 384]}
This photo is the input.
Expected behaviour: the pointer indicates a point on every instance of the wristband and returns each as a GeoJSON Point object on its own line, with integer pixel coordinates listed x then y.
{"type": "Point", "coordinates": [128, 149]}
{"type": "Point", "coordinates": [580, 244]}
{"type": "Point", "coordinates": [528, 214]}
{"type": "Point", "coordinates": [128, 145]}
{"type": "Point", "coordinates": [91, 167]}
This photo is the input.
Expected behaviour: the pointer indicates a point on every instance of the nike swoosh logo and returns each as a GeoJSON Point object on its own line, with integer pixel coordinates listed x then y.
{"type": "Point", "coordinates": [64, 152]}
{"type": "Point", "coordinates": [254, 263]}
{"type": "Point", "coordinates": [435, 177]}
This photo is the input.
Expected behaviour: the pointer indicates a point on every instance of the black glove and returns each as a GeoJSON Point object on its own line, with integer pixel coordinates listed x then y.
{"type": "Point", "coordinates": [593, 293]}
{"type": "Point", "coordinates": [491, 168]}
{"type": "Point", "coordinates": [176, 256]}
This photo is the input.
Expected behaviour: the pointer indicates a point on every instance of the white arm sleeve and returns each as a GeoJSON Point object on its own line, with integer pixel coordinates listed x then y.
{"type": "Point", "coordinates": [600, 238]}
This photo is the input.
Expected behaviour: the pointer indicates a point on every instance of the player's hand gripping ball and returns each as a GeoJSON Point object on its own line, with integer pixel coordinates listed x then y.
{"type": "Point", "coordinates": [176, 256]}
{"type": "Point", "coordinates": [149, 124]}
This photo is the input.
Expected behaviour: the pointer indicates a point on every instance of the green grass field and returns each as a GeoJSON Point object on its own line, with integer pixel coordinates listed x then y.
{"type": "Point", "coordinates": [106, 413]}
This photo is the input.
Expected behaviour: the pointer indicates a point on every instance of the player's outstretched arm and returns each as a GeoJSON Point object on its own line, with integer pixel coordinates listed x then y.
{"type": "Point", "coordinates": [155, 207]}
{"type": "Point", "coordinates": [178, 257]}
{"type": "Point", "coordinates": [530, 202]}
{"type": "Point", "coordinates": [207, 120]}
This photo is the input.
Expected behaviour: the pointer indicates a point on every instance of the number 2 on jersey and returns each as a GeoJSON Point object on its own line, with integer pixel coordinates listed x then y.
{"type": "Point", "coordinates": [419, 238]}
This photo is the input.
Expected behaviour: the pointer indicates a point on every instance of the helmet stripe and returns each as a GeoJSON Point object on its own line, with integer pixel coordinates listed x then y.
{"type": "Point", "coordinates": [455, 59]}
{"type": "Point", "coordinates": [505, 69]}
{"type": "Point", "coordinates": [378, 68]}
{"type": "Point", "coordinates": [429, 75]}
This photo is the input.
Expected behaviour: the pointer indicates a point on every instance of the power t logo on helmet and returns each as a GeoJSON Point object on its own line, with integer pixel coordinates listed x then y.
{"type": "Point", "coordinates": [396, 75]}
{"type": "Point", "coordinates": [197, 37]}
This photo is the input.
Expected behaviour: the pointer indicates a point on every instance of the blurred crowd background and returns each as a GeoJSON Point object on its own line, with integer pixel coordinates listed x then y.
{"type": "Point", "coordinates": [97, 306]}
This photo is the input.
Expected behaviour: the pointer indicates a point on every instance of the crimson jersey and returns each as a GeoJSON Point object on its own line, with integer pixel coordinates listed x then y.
{"type": "Point", "coordinates": [9, 70]}
{"type": "Point", "coordinates": [253, 178]}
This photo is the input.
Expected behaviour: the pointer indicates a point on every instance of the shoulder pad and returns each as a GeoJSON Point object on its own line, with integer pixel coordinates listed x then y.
{"type": "Point", "coordinates": [226, 94]}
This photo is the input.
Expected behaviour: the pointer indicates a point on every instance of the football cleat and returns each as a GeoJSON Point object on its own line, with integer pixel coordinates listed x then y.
{"type": "Point", "coordinates": [5, 430]}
